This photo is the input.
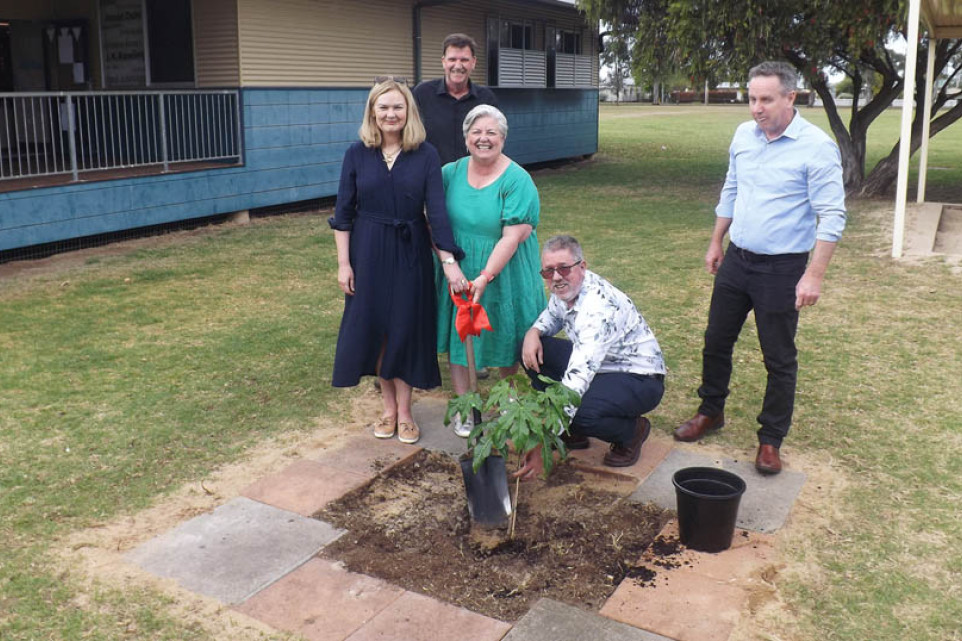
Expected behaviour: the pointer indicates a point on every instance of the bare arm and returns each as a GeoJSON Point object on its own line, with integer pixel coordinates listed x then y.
{"type": "Point", "coordinates": [809, 287]}
{"type": "Point", "coordinates": [345, 273]}
{"type": "Point", "coordinates": [532, 352]}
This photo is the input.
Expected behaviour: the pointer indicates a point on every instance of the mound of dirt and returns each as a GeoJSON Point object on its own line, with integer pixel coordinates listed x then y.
{"type": "Point", "coordinates": [577, 537]}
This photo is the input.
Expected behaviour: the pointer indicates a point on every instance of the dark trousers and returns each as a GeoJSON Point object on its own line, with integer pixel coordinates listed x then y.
{"type": "Point", "coordinates": [610, 408]}
{"type": "Point", "coordinates": [765, 284]}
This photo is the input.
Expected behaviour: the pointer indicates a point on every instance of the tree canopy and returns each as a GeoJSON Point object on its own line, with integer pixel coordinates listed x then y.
{"type": "Point", "coordinates": [719, 40]}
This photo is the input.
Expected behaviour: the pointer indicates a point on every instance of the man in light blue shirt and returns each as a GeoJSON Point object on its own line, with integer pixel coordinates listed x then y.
{"type": "Point", "coordinates": [783, 197]}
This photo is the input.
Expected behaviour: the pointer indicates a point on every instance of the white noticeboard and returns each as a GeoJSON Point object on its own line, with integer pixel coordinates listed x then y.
{"type": "Point", "coordinates": [122, 33]}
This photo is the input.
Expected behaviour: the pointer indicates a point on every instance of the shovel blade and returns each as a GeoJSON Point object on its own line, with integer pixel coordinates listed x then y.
{"type": "Point", "coordinates": [489, 501]}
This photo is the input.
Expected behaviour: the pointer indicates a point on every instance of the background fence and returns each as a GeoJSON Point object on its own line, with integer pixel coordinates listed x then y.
{"type": "Point", "coordinates": [44, 134]}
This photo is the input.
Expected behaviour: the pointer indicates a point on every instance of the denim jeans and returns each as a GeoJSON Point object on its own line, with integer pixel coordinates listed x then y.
{"type": "Point", "coordinates": [765, 284]}
{"type": "Point", "coordinates": [610, 408]}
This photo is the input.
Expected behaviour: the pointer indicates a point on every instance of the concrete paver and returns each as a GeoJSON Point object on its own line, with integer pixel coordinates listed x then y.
{"type": "Point", "coordinates": [550, 620]}
{"type": "Point", "coordinates": [653, 452]}
{"type": "Point", "coordinates": [701, 599]}
{"type": "Point", "coordinates": [415, 617]}
{"type": "Point", "coordinates": [367, 455]}
{"type": "Point", "coordinates": [321, 601]}
{"type": "Point", "coordinates": [234, 551]}
{"type": "Point", "coordinates": [435, 435]}
{"type": "Point", "coordinates": [304, 487]}
{"type": "Point", "coordinates": [764, 507]}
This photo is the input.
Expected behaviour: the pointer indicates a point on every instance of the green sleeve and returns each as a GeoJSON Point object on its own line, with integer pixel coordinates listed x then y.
{"type": "Point", "coordinates": [447, 173]}
{"type": "Point", "coordinates": [520, 198]}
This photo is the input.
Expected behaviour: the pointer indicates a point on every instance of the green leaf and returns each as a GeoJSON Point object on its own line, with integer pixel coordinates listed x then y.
{"type": "Point", "coordinates": [480, 452]}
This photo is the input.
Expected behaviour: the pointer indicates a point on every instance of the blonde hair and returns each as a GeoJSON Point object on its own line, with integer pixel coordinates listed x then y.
{"type": "Point", "coordinates": [413, 133]}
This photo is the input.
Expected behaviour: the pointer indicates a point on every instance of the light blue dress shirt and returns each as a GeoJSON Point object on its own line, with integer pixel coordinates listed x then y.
{"type": "Point", "coordinates": [783, 194]}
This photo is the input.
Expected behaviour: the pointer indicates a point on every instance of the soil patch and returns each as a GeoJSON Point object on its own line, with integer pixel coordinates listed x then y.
{"type": "Point", "coordinates": [576, 538]}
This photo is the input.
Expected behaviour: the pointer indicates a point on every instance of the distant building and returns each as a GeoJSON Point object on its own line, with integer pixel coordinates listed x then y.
{"type": "Point", "coordinates": [121, 114]}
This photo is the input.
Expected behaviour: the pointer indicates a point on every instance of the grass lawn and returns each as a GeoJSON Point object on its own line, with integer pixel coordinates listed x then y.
{"type": "Point", "coordinates": [126, 374]}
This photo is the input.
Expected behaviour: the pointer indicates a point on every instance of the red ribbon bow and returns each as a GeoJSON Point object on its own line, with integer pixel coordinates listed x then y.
{"type": "Point", "coordinates": [471, 317]}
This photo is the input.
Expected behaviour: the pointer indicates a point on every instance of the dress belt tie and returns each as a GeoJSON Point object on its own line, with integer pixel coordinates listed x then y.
{"type": "Point", "coordinates": [405, 230]}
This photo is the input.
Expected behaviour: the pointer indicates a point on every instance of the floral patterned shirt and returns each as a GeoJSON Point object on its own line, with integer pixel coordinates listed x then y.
{"type": "Point", "coordinates": [607, 332]}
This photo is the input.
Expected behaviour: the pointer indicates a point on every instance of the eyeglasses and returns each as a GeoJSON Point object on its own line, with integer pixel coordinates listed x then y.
{"type": "Point", "coordinates": [401, 80]}
{"type": "Point", "coordinates": [563, 270]}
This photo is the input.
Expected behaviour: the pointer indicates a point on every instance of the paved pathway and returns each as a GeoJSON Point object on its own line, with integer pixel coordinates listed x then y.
{"type": "Point", "coordinates": [258, 553]}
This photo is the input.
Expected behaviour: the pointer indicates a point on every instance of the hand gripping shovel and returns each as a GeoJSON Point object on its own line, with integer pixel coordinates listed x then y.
{"type": "Point", "coordinates": [489, 501]}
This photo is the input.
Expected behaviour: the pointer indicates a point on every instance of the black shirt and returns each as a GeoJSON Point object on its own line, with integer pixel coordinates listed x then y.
{"type": "Point", "coordinates": [443, 115]}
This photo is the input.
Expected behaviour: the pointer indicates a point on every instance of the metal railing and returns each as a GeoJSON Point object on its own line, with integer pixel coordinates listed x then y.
{"type": "Point", "coordinates": [43, 134]}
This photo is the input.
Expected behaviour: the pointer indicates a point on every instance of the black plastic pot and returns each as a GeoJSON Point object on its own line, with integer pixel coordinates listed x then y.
{"type": "Point", "coordinates": [489, 502]}
{"type": "Point", "coordinates": [708, 501]}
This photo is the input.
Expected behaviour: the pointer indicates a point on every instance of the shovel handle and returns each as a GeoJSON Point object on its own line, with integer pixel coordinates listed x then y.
{"type": "Point", "coordinates": [472, 370]}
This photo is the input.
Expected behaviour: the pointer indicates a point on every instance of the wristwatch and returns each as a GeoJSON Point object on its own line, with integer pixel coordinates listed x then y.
{"type": "Point", "coordinates": [449, 260]}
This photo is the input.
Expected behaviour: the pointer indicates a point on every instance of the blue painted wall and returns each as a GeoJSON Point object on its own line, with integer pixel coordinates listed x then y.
{"type": "Point", "coordinates": [550, 124]}
{"type": "Point", "coordinates": [294, 140]}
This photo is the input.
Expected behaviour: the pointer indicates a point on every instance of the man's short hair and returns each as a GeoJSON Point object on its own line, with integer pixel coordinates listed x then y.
{"type": "Point", "coordinates": [459, 41]}
{"type": "Point", "coordinates": [563, 241]}
{"type": "Point", "coordinates": [786, 74]}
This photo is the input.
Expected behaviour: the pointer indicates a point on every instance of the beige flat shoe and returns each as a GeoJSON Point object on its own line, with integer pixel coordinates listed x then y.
{"type": "Point", "coordinates": [408, 432]}
{"type": "Point", "coordinates": [385, 427]}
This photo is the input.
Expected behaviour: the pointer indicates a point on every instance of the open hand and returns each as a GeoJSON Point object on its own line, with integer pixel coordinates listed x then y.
{"type": "Point", "coordinates": [532, 466]}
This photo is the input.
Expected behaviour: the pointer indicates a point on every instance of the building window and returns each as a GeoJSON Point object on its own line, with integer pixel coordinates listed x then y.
{"type": "Point", "coordinates": [568, 65]}
{"type": "Point", "coordinates": [517, 35]}
{"type": "Point", "coordinates": [569, 42]}
{"type": "Point", "coordinates": [516, 56]}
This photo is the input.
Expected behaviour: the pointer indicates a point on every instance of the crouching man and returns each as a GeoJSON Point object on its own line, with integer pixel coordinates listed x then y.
{"type": "Point", "coordinates": [611, 357]}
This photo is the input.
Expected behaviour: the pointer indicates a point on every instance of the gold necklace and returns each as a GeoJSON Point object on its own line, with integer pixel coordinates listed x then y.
{"type": "Point", "coordinates": [389, 157]}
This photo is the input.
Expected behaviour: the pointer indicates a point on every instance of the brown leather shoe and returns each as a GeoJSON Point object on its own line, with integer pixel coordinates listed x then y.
{"type": "Point", "coordinates": [696, 427]}
{"type": "Point", "coordinates": [767, 460]}
{"type": "Point", "coordinates": [625, 455]}
{"type": "Point", "coordinates": [575, 441]}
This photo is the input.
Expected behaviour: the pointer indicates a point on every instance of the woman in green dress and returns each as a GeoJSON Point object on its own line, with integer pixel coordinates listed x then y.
{"type": "Point", "coordinates": [493, 207]}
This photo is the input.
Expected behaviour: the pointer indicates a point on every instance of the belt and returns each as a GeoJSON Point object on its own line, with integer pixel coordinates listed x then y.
{"type": "Point", "coordinates": [404, 228]}
{"type": "Point", "coordinates": [744, 254]}
{"type": "Point", "coordinates": [657, 377]}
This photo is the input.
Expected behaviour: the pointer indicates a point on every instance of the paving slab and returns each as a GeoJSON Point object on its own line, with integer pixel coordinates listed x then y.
{"type": "Point", "coordinates": [321, 601]}
{"type": "Point", "coordinates": [550, 620]}
{"type": "Point", "coordinates": [435, 435]}
{"type": "Point", "coordinates": [700, 599]}
{"type": "Point", "coordinates": [305, 487]}
{"type": "Point", "coordinates": [236, 550]}
{"type": "Point", "coordinates": [415, 617]}
{"type": "Point", "coordinates": [764, 507]}
{"type": "Point", "coordinates": [367, 455]}
{"type": "Point", "coordinates": [653, 452]}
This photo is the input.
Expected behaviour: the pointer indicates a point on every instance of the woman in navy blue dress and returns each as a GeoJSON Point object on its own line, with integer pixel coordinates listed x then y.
{"type": "Point", "coordinates": [384, 255]}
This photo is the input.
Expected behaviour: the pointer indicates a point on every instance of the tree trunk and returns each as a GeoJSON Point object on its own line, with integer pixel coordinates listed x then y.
{"type": "Point", "coordinates": [881, 181]}
{"type": "Point", "coordinates": [853, 162]}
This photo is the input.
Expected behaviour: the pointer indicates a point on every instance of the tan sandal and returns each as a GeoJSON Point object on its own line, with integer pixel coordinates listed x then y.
{"type": "Point", "coordinates": [408, 432]}
{"type": "Point", "coordinates": [385, 427]}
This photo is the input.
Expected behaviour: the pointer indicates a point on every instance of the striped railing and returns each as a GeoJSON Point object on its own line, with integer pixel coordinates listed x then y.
{"type": "Point", "coordinates": [43, 134]}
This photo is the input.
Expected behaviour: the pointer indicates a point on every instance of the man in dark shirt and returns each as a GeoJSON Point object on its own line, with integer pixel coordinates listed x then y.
{"type": "Point", "coordinates": [445, 102]}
